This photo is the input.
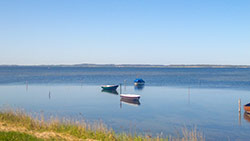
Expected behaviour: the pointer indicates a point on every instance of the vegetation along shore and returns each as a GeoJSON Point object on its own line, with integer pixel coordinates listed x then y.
{"type": "Point", "coordinates": [19, 126]}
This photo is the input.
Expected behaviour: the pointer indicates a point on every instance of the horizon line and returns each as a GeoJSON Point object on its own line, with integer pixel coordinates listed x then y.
{"type": "Point", "coordinates": [125, 64]}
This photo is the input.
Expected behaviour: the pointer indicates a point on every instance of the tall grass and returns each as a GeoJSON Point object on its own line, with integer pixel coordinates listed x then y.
{"type": "Point", "coordinates": [76, 130]}
{"type": "Point", "coordinates": [16, 136]}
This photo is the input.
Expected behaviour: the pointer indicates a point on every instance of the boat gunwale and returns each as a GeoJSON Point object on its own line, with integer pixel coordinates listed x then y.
{"type": "Point", "coordinates": [109, 86]}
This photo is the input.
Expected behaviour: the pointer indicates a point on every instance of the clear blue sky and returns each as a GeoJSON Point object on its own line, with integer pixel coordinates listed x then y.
{"type": "Point", "coordinates": [125, 32]}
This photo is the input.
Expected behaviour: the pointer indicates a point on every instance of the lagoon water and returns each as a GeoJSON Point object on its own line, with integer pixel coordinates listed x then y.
{"type": "Point", "coordinates": [205, 99]}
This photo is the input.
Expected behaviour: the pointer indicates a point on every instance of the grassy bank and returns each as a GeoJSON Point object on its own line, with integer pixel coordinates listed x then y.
{"type": "Point", "coordinates": [18, 125]}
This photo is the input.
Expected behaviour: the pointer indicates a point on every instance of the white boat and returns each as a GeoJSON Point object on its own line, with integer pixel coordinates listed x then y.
{"type": "Point", "coordinates": [130, 96]}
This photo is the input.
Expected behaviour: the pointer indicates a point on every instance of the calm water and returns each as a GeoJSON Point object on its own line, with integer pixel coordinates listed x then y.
{"type": "Point", "coordinates": [170, 100]}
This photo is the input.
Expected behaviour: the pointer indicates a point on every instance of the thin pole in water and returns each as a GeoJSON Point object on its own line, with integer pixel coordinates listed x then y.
{"type": "Point", "coordinates": [124, 83]}
{"type": "Point", "coordinates": [27, 86]}
{"type": "Point", "coordinates": [239, 105]}
{"type": "Point", "coordinates": [120, 104]}
{"type": "Point", "coordinates": [239, 111]}
{"type": "Point", "coordinates": [49, 95]}
{"type": "Point", "coordinates": [120, 88]}
{"type": "Point", "coordinates": [189, 95]}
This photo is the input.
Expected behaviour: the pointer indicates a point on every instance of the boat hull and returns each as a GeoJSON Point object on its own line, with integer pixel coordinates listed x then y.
{"type": "Point", "coordinates": [109, 87]}
{"type": "Point", "coordinates": [247, 108]}
{"type": "Point", "coordinates": [139, 83]}
{"type": "Point", "coordinates": [130, 96]}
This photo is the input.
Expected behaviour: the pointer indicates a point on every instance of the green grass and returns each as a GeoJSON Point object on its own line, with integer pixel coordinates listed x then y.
{"type": "Point", "coordinates": [73, 129]}
{"type": "Point", "coordinates": [17, 136]}
{"type": "Point", "coordinates": [78, 129]}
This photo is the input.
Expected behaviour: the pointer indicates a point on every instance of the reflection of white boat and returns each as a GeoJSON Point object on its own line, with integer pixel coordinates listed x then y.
{"type": "Point", "coordinates": [133, 102]}
{"type": "Point", "coordinates": [130, 96]}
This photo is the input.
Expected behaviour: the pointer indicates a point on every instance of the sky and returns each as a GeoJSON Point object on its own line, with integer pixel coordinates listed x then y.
{"type": "Point", "coordinates": [36, 32]}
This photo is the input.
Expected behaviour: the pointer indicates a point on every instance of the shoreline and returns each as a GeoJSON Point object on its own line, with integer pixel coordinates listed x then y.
{"type": "Point", "coordinates": [22, 126]}
{"type": "Point", "coordinates": [134, 66]}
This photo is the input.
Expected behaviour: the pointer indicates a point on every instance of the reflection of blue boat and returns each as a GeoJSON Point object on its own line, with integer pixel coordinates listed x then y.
{"type": "Point", "coordinates": [139, 81]}
{"type": "Point", "coordinates": [139, 87]}
{"type": "Point", "coordinates": [109, 87]}
{"type": "Point", "coordinates": [134, 102]}
{"type": "Point", "coordinates": [110, 91]}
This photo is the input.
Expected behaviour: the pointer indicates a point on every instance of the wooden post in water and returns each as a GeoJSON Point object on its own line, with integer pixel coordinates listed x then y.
{"type": "Point", "coordinates": [120, 88]}
{"type": "Point", "coordinates": [239, 105]}
{"type": "Point", "coordinates": [81, 82]}
{"type": "Point", "coordinates": [120, 93]}
{"type": "Point", "coordinates": [239, 110]}
{"type": "Point", "coordinates": [124, 83]}
{"type": "Point", "coordinates": [26, 85]}
{"type": "Point", "coordinates": [49, 94]}
{"type": "Point", "coordinates": [189, 95]}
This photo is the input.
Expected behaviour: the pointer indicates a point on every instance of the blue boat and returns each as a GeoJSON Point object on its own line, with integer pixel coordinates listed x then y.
{"type": "Point", "coordinates": [139, 81]}
{"type": "Point", "coordinates": [109, 87]}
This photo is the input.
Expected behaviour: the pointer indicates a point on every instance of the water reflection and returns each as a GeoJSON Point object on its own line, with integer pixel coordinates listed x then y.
{"type": "Point", "coordinates": [139, 87]}
{"type": "Point", "coordinates": [69, 100]}
{"type": "Point", "coordinates": [188, 95]}
{"type": "Point", "coordinates": [110, 91]}
{"type": "Point", "coordinates": [27, 86]}
{"type": "Point", "coordinates": [49, 95]}
{"type": "Point", "coordinates": [247, 116]}
{"type": "Point", "coordinates": [132, 102]}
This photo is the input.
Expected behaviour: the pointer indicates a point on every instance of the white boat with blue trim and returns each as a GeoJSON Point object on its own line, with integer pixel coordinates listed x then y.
{"type": "Point", "coordinates": [130, 96]}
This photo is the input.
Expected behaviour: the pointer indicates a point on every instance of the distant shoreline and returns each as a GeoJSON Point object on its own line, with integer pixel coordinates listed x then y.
{"type": "Point", "coordinates": [134, 66]}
